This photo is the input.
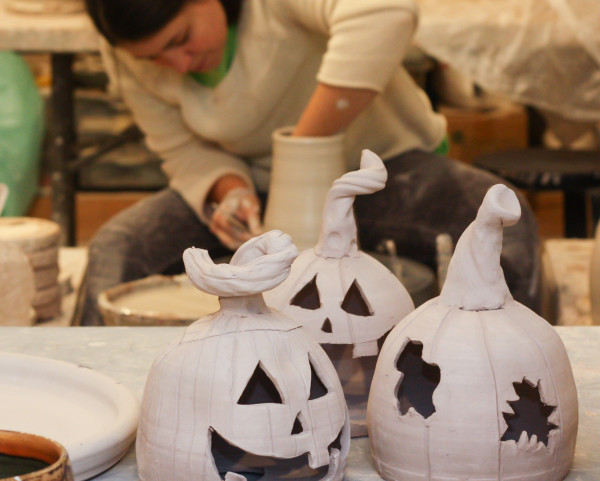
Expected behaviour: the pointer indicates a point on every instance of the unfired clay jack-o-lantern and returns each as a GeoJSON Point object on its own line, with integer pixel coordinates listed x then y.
{"type": "Point", "coordinates": [245, 393]}
{"type": "Point", "coordinates": [346, 299]}
{"type": "Point", "coordinates": [473, 385]}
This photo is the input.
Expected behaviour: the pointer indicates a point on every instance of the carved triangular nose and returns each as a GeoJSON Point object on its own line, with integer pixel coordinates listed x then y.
{"type": "Point", "coordinates": [326, 327]}
{"type": "Point", "coordinates": [297, 428]}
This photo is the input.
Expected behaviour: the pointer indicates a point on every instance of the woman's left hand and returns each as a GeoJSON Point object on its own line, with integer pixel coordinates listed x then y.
{"type": "Point", "coordinates": [236, 219]}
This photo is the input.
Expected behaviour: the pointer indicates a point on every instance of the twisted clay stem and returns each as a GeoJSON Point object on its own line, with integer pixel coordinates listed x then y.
{"type": "Point", "coordinates": [258, 265]}
{"type": "Point", "coordinates": [338, 231]}
{"type": "Point", "coordinates": [475, 280]}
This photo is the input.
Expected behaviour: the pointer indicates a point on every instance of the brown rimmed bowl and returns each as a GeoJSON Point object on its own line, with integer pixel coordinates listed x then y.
{"type": "Point", "coordinates": [29, 457]}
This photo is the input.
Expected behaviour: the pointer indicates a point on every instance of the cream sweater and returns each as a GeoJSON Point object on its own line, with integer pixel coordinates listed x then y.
{"type": "Point", "coordinates": [283, 48]}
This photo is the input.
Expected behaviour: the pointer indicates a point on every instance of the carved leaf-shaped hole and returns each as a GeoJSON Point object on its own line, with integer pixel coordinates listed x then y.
{"type": "Point", "coordinates": [355, 303]}
{"type": "Point", "coordinates": [297, 428]}
{"type": "Point", "coordinates": [326, 327]}
{"type": "Point", "coordinates": [418, 382]}
{"type": "Point", "coordinates": [308, 297]}
{"type": "Point", "coordinates": [260, 389]}
{"type": "Point", "coordinates": [529, 414]}
{"type": "Point", "coordinates": [317, 388]}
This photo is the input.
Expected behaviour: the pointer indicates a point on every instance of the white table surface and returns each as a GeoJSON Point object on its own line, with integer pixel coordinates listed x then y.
{"type": "Point", "coordinates": [126, 354]}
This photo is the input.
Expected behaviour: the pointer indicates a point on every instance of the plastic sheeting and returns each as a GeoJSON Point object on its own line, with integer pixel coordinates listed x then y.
{"type": "Point", "coordinates": [544, 53]}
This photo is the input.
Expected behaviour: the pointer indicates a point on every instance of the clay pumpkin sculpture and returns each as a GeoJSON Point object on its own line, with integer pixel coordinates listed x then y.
{"type": "Point", "coordinates": [473, 385]}
{"type": "Point", "coordinates": [347, 300]}
{"type": "Point", "coordinates": [245, 393]}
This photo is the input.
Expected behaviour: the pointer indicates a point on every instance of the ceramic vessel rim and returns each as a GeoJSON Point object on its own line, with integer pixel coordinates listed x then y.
{"type": "Point", "coordinates": [14, 436]}
{"type": "Point", "coordinates": [282, 136]}
{"type": "Point", "coordinates": [49, 226]}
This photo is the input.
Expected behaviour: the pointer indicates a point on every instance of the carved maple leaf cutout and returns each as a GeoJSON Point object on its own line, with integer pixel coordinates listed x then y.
{"type": "Point", "coordinates": [419, 381]}
{"type": "Point", "coordinates": [529, 414]}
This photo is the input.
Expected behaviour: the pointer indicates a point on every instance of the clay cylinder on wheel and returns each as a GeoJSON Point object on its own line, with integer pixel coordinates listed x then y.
{"type": "Point", "coordinates": [302, 172]}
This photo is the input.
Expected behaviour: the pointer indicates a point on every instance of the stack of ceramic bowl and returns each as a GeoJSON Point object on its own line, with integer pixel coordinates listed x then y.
{"type": "Point", "coordinates": [38, 239]}
{"type": "Point", "coordinates": [47, 7]}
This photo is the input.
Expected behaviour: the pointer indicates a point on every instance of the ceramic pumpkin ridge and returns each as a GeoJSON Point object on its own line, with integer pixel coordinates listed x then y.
{"type": "Point", "coordinates": [338, 237]}
{"type": "Point", "coordinates": [243, 390]}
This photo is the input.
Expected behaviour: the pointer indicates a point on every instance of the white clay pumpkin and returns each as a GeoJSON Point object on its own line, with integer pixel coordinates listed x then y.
{"type": "Point", "coordinates": [473, 385]}
{"type": "Point", "coordinates": [245, 391]}
{"type": "Point", "coordinates": [345, 298]}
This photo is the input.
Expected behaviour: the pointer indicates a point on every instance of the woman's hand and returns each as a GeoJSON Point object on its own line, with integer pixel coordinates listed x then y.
{"type": "Point", "coordinates": [233, 212]}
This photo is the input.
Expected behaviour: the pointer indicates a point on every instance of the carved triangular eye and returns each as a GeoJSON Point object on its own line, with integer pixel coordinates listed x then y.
{"type": "Point", "coordinates": [297, 429]}
{"type": "Point", "coordinates": [355, 303]}
{"type": "Point", "coordinates": [326, 327]}
{"type": "Point", "coordinates": [260, 389]}
{"type": "Point", "coordinates": [308, 297]}
{"type": "Point", "coordinates": [317, 388]}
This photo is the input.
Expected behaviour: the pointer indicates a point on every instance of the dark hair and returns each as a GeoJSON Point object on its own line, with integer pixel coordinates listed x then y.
{"type": "Point", "coordinates": [131, 20]}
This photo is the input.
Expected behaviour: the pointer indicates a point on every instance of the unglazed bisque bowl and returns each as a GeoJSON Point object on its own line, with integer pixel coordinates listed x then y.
{"type": "Point", "coordinates": [155, 301]}
{"type": "Point", "coordinates": [28, 457]}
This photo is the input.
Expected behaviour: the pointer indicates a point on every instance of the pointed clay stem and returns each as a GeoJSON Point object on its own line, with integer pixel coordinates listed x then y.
{"type": "Point", "coordinates": [258, 265]}
{"type": "Point", "coordinates": [475, 280]}
{"type": "Point", "coordinates": [338, 231]}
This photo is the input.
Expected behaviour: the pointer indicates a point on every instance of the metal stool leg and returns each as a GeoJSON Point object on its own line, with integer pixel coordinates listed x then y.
{"type": "Point", "coordinates": [575, 214]}
{"type": "Point", "coordinates": [62, 146]}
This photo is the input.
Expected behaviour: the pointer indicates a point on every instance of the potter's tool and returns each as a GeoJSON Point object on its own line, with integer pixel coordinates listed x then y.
{"type": "Point", "coordinates": [238, 224]}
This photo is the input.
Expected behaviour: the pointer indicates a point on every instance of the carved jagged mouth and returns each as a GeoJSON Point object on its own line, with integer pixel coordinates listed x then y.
{"type": "Point", "coordinates": [232, 462]}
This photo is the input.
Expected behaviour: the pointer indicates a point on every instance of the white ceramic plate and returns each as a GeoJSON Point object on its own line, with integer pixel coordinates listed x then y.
{"type": "Point", "coordinates": [89, 413]}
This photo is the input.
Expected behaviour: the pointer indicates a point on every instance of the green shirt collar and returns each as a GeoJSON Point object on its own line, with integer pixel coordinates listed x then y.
{"type": "Point", "coordinates": [213, 77]}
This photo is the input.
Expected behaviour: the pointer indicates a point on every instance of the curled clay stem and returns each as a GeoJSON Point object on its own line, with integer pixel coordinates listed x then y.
{"type": "Point", "coordinates": [475, 280]}
{"type": "Point", "coordinates": [258, 265]}
{"type": "Point", "coordinates": [338, 236]}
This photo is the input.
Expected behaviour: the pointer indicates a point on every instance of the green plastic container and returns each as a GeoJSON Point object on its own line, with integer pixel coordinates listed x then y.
{"type": "Point", "coordinates": [21, 133]}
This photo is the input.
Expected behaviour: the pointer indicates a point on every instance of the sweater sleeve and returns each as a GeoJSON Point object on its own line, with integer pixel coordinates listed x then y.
{"type": "Point", "coordinates": [367, 39]}
{"type": "Point", "coordinates": [192, 164]}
